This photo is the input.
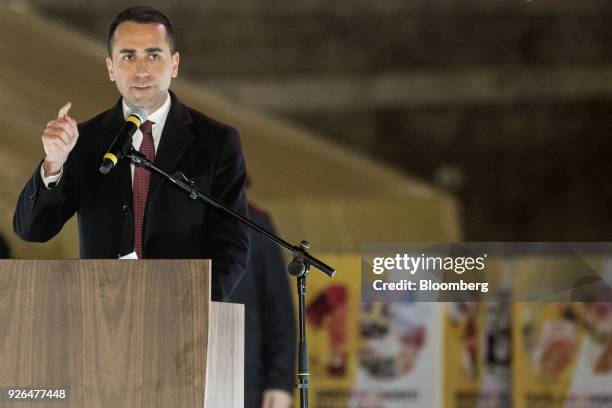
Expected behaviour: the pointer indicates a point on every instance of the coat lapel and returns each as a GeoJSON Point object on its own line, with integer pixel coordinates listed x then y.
{"type": "Point", "coordinates": [176, 138]}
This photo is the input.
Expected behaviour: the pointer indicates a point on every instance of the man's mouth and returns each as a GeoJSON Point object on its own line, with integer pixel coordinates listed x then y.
{"type": "Point", "coordinates": [142, 87]}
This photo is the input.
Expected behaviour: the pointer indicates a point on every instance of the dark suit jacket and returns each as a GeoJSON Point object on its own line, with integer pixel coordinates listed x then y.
{"type": "Point", "coordinates": [270, 328]}
{"type": "Point", "coordinates": [175, 226]}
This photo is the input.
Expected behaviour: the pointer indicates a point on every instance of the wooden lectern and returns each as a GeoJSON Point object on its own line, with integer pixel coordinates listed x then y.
{"type": "Point", "coordinates": [118, 334]}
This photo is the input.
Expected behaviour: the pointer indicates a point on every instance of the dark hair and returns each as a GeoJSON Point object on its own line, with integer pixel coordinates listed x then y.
{"type": "Point", "coordinates": [141, 15]}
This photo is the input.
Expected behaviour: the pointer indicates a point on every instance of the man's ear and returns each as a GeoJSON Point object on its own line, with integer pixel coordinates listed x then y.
{"type": "Point", "coordinates": [109, 67]}
{"type": "Point", "coordinates": [176, 59]}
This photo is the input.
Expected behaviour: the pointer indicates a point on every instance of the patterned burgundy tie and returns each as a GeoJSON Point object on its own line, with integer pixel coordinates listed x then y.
{"type": "Point", "coordinates": [140, 185]}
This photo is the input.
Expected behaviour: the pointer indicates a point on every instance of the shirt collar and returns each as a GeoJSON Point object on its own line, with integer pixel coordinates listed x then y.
{"type": "Point", "coordinates": [159, 116]}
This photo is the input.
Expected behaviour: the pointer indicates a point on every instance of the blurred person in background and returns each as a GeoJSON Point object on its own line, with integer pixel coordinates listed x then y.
{"type": "Point", "coordinates": [270, 328]}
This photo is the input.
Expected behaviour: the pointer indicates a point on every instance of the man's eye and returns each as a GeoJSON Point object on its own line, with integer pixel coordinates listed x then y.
{"type": "Point", "coordinates": [127, 57]}
{"type": "Point", "coordinates": [155, 56]}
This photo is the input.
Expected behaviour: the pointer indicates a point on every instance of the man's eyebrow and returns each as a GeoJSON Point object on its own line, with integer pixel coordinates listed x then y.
{"type": "Point", "coordinates": [133, 51]}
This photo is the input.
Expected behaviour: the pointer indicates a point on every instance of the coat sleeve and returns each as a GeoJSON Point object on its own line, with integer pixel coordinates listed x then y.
{"type": "Point", "coordinates": [227, 242]}
{"type": "Point", "coordinates": [41, 212]}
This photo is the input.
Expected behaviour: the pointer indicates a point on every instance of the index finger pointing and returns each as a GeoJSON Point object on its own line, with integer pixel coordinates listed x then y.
{"type": "Point", "coordinates": [64, 110]}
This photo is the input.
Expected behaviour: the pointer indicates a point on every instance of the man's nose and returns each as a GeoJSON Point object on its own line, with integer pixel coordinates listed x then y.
{"type": "Point", "coordinates": [142, 68]}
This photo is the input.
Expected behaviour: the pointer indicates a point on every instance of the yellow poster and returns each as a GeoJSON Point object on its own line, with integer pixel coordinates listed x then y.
{"type": "Point", "coordinates": [478, 346]}
{"type": "Point", "coordinates": [477, 354]}
{"type": "Point", "coordinates": [563, 355]}
{"type": "Point", "coordinates": [383, 355]}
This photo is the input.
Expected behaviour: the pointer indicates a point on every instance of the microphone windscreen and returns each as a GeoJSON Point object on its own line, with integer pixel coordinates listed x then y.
{"type": "Point", "coordinates": [140, 112]}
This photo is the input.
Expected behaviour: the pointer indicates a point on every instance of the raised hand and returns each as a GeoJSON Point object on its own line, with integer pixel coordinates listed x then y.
{"type": "Point", "coordinates": [59, 138]}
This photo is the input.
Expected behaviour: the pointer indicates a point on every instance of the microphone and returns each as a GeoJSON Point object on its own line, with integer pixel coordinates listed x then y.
{"type": "Point", "coordinates": [135, 117]}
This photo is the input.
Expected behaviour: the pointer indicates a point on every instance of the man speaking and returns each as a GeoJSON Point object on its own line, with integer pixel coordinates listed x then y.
{"type": "Point", "coordinates": [130, 210]}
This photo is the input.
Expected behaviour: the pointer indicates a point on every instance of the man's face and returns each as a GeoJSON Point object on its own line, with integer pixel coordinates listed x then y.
{"type": "Point", "coordinates": [141, 64]}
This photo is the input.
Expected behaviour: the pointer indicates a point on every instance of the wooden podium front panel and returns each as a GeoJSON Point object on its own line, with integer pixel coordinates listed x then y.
{"type": "Point", "coordinates": [115, 333]}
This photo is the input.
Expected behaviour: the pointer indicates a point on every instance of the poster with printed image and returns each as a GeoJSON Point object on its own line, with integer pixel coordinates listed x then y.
{"type": "Point", "coordinates": [478, 346]}
{"type": "Point", "coordinates": [400, 365]}
{"type": "Point", "coordinates": [370, 355]}
{"type": "Point", "coordinates": [564, 349]}
{"type": "Point", "coordinates": [477, 355]}
{"type": "Point", "coordinates": [564, 355]}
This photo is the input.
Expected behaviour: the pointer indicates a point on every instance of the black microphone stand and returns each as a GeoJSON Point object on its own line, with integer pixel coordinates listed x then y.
{"type": "Point", "coordinates": [298, 267]}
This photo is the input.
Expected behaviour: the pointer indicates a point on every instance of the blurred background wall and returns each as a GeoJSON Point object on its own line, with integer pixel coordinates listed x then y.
{"type": "Point", "coordinates": [504, 104]}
